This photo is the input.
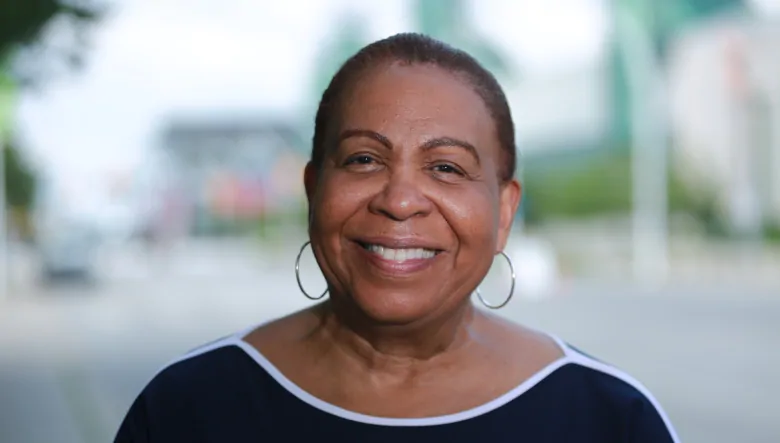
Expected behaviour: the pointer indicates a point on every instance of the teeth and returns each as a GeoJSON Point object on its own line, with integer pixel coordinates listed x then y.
{"type": "Point", "coordinates": [401, 254]}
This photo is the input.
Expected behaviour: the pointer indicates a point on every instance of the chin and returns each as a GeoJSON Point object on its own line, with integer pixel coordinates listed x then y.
{"type": "Point", "coordinates": [394, 307]}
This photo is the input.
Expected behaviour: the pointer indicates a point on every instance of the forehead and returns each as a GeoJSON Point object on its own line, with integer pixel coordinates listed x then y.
{"type": "Point", "coordinates": [418, 100]}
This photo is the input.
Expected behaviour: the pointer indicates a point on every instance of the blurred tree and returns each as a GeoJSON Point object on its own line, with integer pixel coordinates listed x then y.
{"type": "Point", "coordinates": [19, 185]}
{"type": "Point", "coordinates": [23, 24]}
{"type": "Point", "coordinates": [442, 19]}
{"type": "Point", "coordinates": [599, 184]}
{"type": "Point", "coordinates": [350, 37]}
{"type": "Point", "coordinates": [447, 20]}
{"type": "Point", "coordinates": [23, 46]}
{"type": "Point", "coordinates": [19, 178]}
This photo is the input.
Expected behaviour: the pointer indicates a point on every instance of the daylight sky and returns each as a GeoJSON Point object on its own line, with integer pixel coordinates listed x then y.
{"type": "Point", "coordinates": [154, 57]}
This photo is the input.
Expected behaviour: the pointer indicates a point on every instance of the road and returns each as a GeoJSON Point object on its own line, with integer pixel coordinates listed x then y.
{"type": "Point", "coordinates": [75, 359]}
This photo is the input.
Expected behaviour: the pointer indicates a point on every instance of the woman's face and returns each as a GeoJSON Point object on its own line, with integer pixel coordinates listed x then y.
{"type": "Point", "coordinates": [407, 210]}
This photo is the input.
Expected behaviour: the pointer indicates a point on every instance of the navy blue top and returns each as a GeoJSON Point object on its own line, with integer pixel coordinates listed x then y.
{"type": "Point", "coordinates": [227, 392]}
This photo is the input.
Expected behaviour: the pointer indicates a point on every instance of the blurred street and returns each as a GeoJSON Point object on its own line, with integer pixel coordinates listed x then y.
{"type": "Point", "coordinates": [74, 358]}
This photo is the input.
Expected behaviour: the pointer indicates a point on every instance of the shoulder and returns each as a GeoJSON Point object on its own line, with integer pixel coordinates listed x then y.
{"type": "Point", "coordinates": [214, 366]}
{"type": "Point", "coordinates": [199, 364]}
{"type": "Point", "coordinates": [611, 392]}
{"type": "Point", "coordinates": [200, 382]}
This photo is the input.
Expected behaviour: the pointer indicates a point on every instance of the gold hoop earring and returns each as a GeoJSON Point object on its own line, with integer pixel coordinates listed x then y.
{"type": "Point", "coordinates": [486, 303]}
{"type": "Point", "coordinates": [298, 274]}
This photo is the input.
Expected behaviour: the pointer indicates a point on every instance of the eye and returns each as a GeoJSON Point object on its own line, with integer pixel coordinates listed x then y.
{"type": "Point", "coordinates": [447, 168]}
{"type": "Point", "coordinates": [360, 159]}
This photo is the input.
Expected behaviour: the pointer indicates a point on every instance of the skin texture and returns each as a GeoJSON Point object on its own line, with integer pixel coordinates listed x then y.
{"type": "Point", "coordinates": [414, 161]}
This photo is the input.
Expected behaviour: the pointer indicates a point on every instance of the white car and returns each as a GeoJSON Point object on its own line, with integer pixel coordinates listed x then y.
{"type": "Point", "coordinates": [68, 254]}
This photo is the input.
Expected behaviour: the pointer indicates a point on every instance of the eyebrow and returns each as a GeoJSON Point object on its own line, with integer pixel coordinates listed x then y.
{"type": "Point", "coordinates": [449, 141]}
{"type": "Point", "coordinates": [349, 133]}
{"type": "Point", "coordinates": [428, 145]}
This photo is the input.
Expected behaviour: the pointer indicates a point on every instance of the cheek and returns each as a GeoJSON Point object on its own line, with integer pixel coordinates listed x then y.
{"type": "Point", "coordinates": [335, 201]}
{"type": "Point", "coordinates": [472, 215]}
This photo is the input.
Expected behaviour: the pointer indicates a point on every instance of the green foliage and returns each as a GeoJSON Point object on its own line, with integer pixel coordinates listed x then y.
{"type": "Point", "coordinates": [575, 192]}
{"type": "Point", "coordinates": [772, 233]}
{"type": "Point", "coordinates": [273, 226]}
{"type": "Point", "coordinates": [22, 23]}
{"type": "Point", "coordinates": [352, 35]}
{"type": "Point", "coordinates": [598, 186]}
{"type": "Point", "coordinates": [19, 179]}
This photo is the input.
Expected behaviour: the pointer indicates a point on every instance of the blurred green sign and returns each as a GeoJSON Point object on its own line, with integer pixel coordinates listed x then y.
{"type": "Point", "coordinates": [662, 20]}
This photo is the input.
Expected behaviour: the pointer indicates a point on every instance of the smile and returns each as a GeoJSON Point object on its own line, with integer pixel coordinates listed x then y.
{"type": "Point", "coordinates": [400, 254]}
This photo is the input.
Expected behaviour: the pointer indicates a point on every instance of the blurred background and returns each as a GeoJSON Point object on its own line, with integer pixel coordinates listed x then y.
{"type": "Point", "coordinates": [152, 156]}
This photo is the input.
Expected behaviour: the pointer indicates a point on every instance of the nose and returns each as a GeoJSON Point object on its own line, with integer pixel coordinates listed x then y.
{"type": "Point", "coordinates": [401, 198]}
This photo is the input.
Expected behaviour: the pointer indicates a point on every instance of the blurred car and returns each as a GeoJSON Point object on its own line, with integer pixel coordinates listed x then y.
{"type": "Point", "coordinates": [68, 255]}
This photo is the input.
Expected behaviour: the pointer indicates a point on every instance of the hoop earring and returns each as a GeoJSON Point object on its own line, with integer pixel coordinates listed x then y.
{"type": "Point", "coordinates": [511, 289]}
{"type": "Point", "coordinates": [298, 274]}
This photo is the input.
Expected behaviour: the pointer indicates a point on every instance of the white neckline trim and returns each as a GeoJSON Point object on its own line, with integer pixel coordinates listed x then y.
{"type": "Point", "coordinates": [297, 391]}
{"type": "Point", "coordinates": [570, 356]}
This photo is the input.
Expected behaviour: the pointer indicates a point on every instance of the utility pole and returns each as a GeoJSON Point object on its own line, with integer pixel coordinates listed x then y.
{"type": "Point", "coordinates": [649, 146]}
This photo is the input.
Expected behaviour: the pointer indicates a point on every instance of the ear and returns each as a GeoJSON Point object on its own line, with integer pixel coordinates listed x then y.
{"type": "Point", "coordinates": [509, 201]}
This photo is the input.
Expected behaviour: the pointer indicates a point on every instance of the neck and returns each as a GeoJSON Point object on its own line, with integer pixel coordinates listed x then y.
{"type": "Point", "coordinates": [394, 348]}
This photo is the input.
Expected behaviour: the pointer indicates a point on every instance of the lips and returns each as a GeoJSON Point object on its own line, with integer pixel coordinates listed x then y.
{"type": "Point", "coordinates": [398, 255]}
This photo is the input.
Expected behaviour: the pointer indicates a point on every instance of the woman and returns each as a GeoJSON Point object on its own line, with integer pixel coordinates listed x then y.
{"type": "Point", "coordinates": [411, 196]}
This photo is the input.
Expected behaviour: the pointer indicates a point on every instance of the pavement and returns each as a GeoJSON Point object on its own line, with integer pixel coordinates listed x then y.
{"type": "Point", "coordinates": [74, 358]}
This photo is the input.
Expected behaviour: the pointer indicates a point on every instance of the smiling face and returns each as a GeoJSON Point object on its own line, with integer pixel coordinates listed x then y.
{"type": "Point", "coordinates": [407, 209]}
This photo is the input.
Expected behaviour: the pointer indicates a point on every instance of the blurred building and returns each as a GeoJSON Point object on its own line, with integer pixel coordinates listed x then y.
{"type": "Point", "coordinates": [724, 81]}
{"type": "Point", "coordinates": [563, 111]}
{"type": "Point", "coordinates": [223, 176]}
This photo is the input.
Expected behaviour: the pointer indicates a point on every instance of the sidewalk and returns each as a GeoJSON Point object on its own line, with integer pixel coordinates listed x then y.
{"type": "Point", "coordinates": [603, 252]}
